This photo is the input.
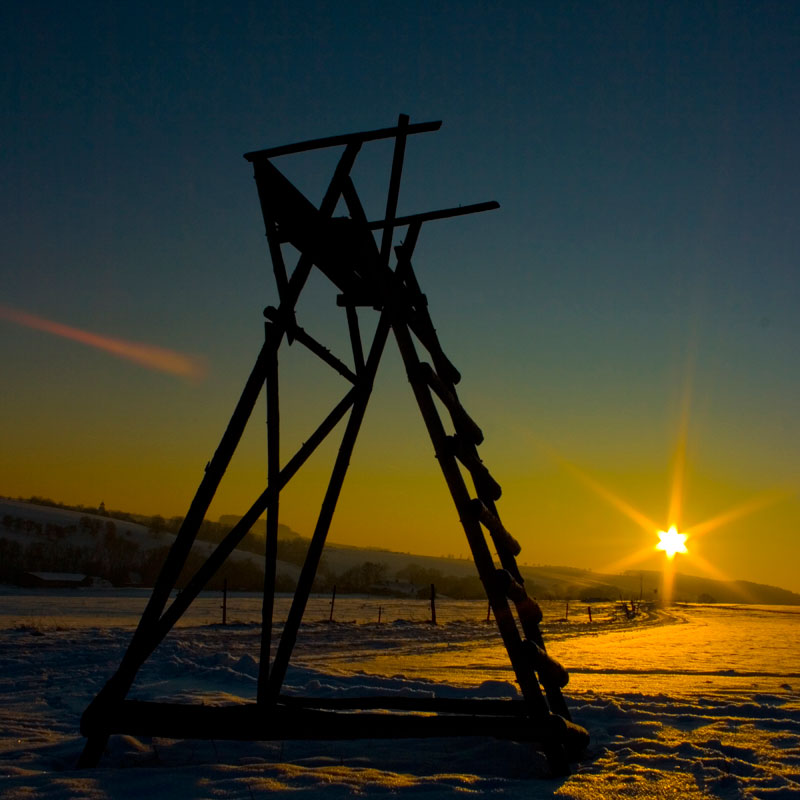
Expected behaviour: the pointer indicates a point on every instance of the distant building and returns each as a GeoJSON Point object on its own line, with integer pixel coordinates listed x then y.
{"type": "Point", "coordinates": [54, 580]}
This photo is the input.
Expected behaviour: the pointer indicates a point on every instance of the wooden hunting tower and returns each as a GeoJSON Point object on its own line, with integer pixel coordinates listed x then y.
{"type": "Point", "coordinates": [362, 267]}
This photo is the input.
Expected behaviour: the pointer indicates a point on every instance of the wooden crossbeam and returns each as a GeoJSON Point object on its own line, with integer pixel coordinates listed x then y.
{"type": "Point", "coordinates": [439, 705]}
{"type": "Point", "coordinates": [308, 341]}
{"type": "Point", "coordinates": [309, 569]}
{"type": "Point", "coordinates": [121, 681]}
{"type": "Point", "coordinates": [443, 213]}
{"type": "Point", "coordinates": [256, 156]}
{"type": "Point", "coordinates": [332, 194]}
{"type": "Point", "coordinates": [250, 722]}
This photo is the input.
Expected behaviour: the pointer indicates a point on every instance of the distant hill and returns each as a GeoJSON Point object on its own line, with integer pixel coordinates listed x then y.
{"type": "Point", "coordinates": [36, 537]}
{"type": "Point", "coordinates": [554, 582]}
{"type": "Point", "coordinates": [284, 531]}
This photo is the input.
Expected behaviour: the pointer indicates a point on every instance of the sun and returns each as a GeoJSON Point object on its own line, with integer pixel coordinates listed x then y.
{"type": "Point", "coordinates": [672, 542]}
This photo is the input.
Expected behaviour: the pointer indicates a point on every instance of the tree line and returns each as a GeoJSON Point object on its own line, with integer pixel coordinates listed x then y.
{"type": "Point", "coordinates": [122, 561]}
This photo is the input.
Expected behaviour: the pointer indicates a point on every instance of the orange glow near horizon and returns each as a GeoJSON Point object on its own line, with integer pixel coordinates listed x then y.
{"type": "Point", "coordinates": [150, 356]}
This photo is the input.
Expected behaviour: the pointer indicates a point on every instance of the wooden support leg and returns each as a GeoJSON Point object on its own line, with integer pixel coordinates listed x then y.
{"type": "Point", "coordinates": [355, 338]}
{"type": "Point", "coordinates": [117, 688]}
{"type": "Point", "coordinates": [93, 750]}
{"type": "Point", "coordinates": [309, 570]}
{"type": "Point", "coordinates": [214, 471]}
{"type": "Point", "coordinates": [237, 533]}
{"type": "Point", "coordinates": [119, 684]}
{"type": "Point", "coordinates": [271, 544]}
{"type": "Point", "coordinates": [394, 187]}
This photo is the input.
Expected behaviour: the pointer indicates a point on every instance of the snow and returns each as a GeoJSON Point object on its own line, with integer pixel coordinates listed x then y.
{"type": "Point", "coordinates": [697, 701]}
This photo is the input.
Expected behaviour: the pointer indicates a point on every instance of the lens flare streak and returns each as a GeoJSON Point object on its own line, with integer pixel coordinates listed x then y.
{"type": "Point", "coordinates": [156, 358]}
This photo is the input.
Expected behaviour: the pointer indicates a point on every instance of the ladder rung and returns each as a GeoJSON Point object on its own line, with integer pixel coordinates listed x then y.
{"type": "Point", "coordinates": [463, 423]}
{"type": "Point", "coordinates": [423, 328]}
{"type": "Point", "coordinates": [465, 452]}
{"type": "Point", "coordinates": [551, 672]}
{"type": "Point", "coordinates": [500, 536]}
{"type": "Point", "coordinates": [528, 609]}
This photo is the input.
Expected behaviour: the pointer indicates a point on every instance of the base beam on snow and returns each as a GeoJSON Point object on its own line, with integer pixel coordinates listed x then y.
{"type": "Point", "coordinates": [252, 722]}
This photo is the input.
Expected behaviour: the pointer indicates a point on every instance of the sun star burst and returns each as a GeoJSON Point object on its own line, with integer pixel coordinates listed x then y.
{"type": "Point", "coordinates": [672, 542]}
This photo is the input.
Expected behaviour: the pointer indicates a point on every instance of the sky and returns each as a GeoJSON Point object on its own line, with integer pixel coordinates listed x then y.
{"type": "Point", "coordinates": [627, 316]}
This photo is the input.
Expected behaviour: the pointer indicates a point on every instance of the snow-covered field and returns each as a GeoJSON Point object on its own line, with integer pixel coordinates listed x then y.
{"type": "Point", "coordinates": [700, 701]}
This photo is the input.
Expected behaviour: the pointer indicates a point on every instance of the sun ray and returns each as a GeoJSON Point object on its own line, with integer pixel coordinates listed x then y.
{"type": "Point", "coordinates": [712, 572]}
{"type": "Point", "coordinates": [156, 358]}
{"type": "Point", "coordinates": [617, 502]}
{"type": "Point", "coordinates": [628, 561]}
{"type": "Point", "coordinates": [675, 511]}
{"type": "Point", "coordinates": [754, 504]}
{"type": "Point", "coordinates": [667, 582]}
{"type": "Point", "coordinates": [709, 569]}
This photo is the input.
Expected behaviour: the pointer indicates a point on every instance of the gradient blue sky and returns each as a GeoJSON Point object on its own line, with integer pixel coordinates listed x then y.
{"type": "Point", "coordinates": [646, 159]}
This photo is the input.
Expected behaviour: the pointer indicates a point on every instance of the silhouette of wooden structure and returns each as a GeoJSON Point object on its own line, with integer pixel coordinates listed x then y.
{"type": "Point", "coordinates": [346, 251]}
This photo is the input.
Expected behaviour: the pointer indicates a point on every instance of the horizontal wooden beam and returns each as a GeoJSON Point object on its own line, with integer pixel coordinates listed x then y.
{"type": "Point", "coordinates": [252, 722]}
{"type": "Point", "coordinates": [448, 705]}
{"type": "Point", "coordinates": [341, 139]}
{"type": "Point", "coordinates": [444, 213]}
